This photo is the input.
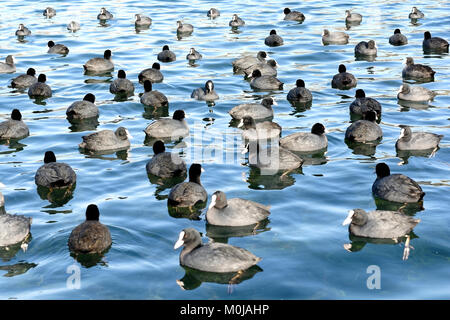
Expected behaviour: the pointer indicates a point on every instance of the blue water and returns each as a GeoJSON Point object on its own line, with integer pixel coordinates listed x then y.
{"type": "Point", "coordinates": [302, 245]}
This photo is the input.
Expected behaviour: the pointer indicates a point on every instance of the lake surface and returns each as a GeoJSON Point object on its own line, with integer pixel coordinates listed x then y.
{"type": "Point", "coordinates": [302, 246]}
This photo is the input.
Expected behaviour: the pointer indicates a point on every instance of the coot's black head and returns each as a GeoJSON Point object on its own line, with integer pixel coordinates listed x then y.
{"type": "Point", "coordinates": [107, 54]}
{"type": "Point", "coordinates": [194, 172]}
{"type": "Point", "coordinates": [148, 86]}
{"type": "Point", "coordinates": [342, 68]}
{"type": "Point", "coordinates": [209, 86]}
{"type": "Point", "coordinates": [166, 47]}
{"type": "Point", "coordinates": [318, 129]}
{"type": "Point", "coordinates": [300, 83]}
{"type": "Point", "coordinates": [42, 78]}
{"type": "Point", "coordinates": [179, 115]}
{"type": "Point", "coordinates": [121, 74]}
{"type": "Point", "coordinates": [51, 44]}
{"type": "Point", "coordinates": [158, 147]}
{"type": "Point", "coordinates": [360, 93]}
{"type": "Point", "coordinates": [92, 213]}
{"type": "Point", "coordinates": [427, 35]}
{"type": "Point", "coordinates": [397, 31]}
{"type": "Point", "coordinates": [370, 116]}
{"type": "Point", "coordinates": [122, 133]}
{"type": "Point", "coordinates": [156, 66]}
{"type": "Point", "coordinates": [31, 72]}
{"type": "Point", "coordinates": [16, 115]}
{"type": "Point", "coordinates": [287, 11]}
{"type": "Point", "coordinates": [272, 32]}
{"type": "Point", "coordinates": [49, 157]}
{"type": "Point", "coordinates": [382, 170]}
{"type": "Point", "coordinates": [89, 97]}
{"type": "Point", "coordinates": [256, 73]}
{"type": "Point", "coordinates": [261, 55]}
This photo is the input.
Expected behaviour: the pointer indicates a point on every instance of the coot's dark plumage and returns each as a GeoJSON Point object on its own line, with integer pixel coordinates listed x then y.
{"type": "Point", "coordinates": [398, 39]}
{"type": "Point", "coordinates": [14, 128]}
{"type": "Point", "coordinates": [165, 164]}
{"type": "Point", "coordinates": [299, 93]}
{"type": "Point", "coordinates": [363, 104]}
{"type": "Point", "coordinates": [343, 80]}
{"type": "Point", "coordinates": [188, 194]}
{"type": "Point", "coordinates": [152, 97]}
{"type": "Point", "coordinates": [364, 130]}
{"type": "Point", "coordinates": [54, 174]}
{"type": "Point", "coordinates": [121, 85]}
{"type": "Point", "coordinates": [152, 74]}
{"type": "Point", "coordinates": [83, 109]}
{"type": "Point", "coordinates": [166, 55]}
{"type": "Point", "coordinates": [40, 89]}
{"type": "Point", "coordinates": [417, 71]}
{"type": "Point", "coordinates": [409, 140]}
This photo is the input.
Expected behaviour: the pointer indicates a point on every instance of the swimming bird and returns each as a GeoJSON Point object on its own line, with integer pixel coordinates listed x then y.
{"type": "Point", "coordinates": [267, 68]}
{"type": "Point", "coordinates": [174, 128]}
{"type": "Point", "coordinates": [235, 212]}
{"type": "Point", "coordinates": [54, 174]}
{"type": "Point", "coordinates": [100, 64]}
{"type": "Point", "coordinates": [152, 74]}
{"type": "Point", "coordinates": [193, 55]}
{"type": "Point", "coordinates": [434, 43]}
{"type": "Point", "coordinates": [73, 26]}
{"type": "Point", "coordinates": [40, 89]}
{"type": "Point", "coordinates": [23, 31]}
{"type": "Point", "coordinates": [188, 194]}
{"type": "Point", "coordinates": [13, 228]}
{"type": "Point", "coordinates": [24, 80]}
{"type": "Point", "coordinates": [398, 39]}
{"type": "Point", "coordinates": [395, 187]}
{"type": "Point", "coordinates": [293, 15]}
{"type": "Point", "coordinates": [299, 93]}
{"type": "Point", "coordinates": [14, 128]}
{"type": "Point", "coordinates": [8, 66]}
{"type": "Point", "coordinates": [104, 15]}
{"type": "Point", "coordinates": [236, 21]}
{"type": "Point", "coordinates": [273, 40]}
{"type": "Point", "coordinates": [417, 71]}
{"type": "Point", "coordinates": [366, 48]}
{"type": "Point", "coordinates": [106, 140]}
{"type": "Point", "coordinates": [415, 93]}
{"type": "Point", "coordinates": [351, 17]}
{"type": "Point", "coordinates": [416, 13]}
{"type": "Point", "coordinates": [363, 104]}
{"type": "Point", "coordinates": [213, 13]}
{"type": "Point", "coordinates": [184, 28]}
{"type": "Point", "coordinates": [152, 97]}
{"type": "Point", "coordinates": [207, 93]}
{"type": "Point", "coordinates": [337, 37]}
{"type": "Point", "coordinates": [121, 85]}
{"type": "Point", "coordinates": [364, 130]}
{"type": "Point", "coordinates": [257, 111]}
{"type": "Point", "coordinates": [261, 82]}
{"type": "Point", "coordinates": [49, 12]}
{"type": "Point", "coordinates": [57, 48]}
{"type": "Point", "coordinates": [379, 224]}
{"type": "Point", "coordinates": [343, 80]}
{"type": "Point", "coordinates": [273, 159]}
{"type": "Point", "coordinates": [409, 140]}
{"type": "Point", "coordinates": [165, 164]}
{"type": "Point", "coordinates": [91, 236]}
{"type": "Point", "coordinates": [166, 55]}
{"type": "Point", "coordinates": [259, 131]}
{"type": "Point", "coordinates": [142, 21]}
{"type": "Point", "coordinates": [213, 256]}
{"type": "Point", "coordinates": [247, 61]}
{"type": "Point", "coordinates": [83, 109]}
{"type": "Point", "coordinates": [306, 141]}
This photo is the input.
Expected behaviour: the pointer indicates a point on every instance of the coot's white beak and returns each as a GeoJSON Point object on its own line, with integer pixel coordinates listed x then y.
{"type": "Point", "coordinates": [128, 134]}
{"type": "Point", "coordinates": [180, 241]}
{"type": "Point", "coordinates": [274, 102]}
{"type": "Point", "coordinates": [400, 90]}
{"type": "Point", "coordinates": [202, 170]}
{"type": "Point", "coordinates": [348, 220]}
{"type": "Point", "coordinates": [402, 133]}
{"type": "Point", "coordinates": [213, 202]}
{"type": "Point", "coordinates": [245, 149]}
{"type": "Point", "coordinates": [241, 124]}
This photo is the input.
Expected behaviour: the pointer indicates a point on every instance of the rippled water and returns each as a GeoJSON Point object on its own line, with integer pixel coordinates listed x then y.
{"type": "Point", "coordinates": [302, 245]}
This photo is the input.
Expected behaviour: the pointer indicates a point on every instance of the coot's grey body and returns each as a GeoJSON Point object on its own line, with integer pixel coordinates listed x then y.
{"type": "Point", "coordinates": [213, 256]}
{"type": "Point", "coordinates": [142, 21]}
{"type": "Point", "coordinates": [268, 68]}
{"type": "Point", "coordinates": [417, 71]}
{"type": "Point", "coordinates": [166, 55]}
{"type": "Point", "coordinates": [55, 175]}
{"type": "Point", "coordinates": [343, 80]}
{"type": "Point", "coordinates": [213, 13]}
{"type": "Point", "coordinates": [23, 31]}
{"type": "Point", "coordinates": [247, 62]}
{"type": "Point", "coordinates": [106, 140]}
{"type": "Point", "coordinates": [415, 93]}
{"type": "Point", "coordinates": [8, 66]}
{"type": "Point", "coordinates": [293, 15]}
{"type": "Point", "coordinates": [299, 93]}
{"type": "Point", "coordinates": [364, 104]}
{"type": "Point", "coordinates": [351, 17]}
{"type": "Point", "coordinates": [104, 64]}
{"type": "Point", "coordinates": [363, 131]}
{"type": "Point", "coordinates": [152, 74]}
{"type": "Point", "coordinates": [121, 85]}
{"type": "Point", "coordinates": [266, 83]}
{"type": "Point", "coordinates": [396, 187]}
{"type": "Point", "coordinates": [184, 28]}
{"type": "Point", "coordinates": [409, 140]}
{"type": "Point", "coordinates": [166, 165]}
{"type": "Point", "coordinates": [366, 48]}
{"type": "Point", "coordinates": [236, 21]}
{"type": "Point", "coordinates": [416, 14]}
{"type": "Point", "coordinates": [398, 39]}
{"type": "Point", "coordinates": [188, 194]}
{"type": "Point", "coordinates": [154, 98]}
{"type": "Point", "coordinates": [13, 228]}
{"type": "Point", "coordinates": [434, 43]}
{"type": "Point", "coordinates": [235, 212]}
{"type": "Point", "coordinates": [73, 26]}
{"type": "Point", "coordinates": [174, 128]}
{"type": "Point", "coordinates": [306, 141]}
{"type": "Point", "coordinates": [83, 109]}
{"type": "Point", "coordinates": [40, 89]}
{"type": "Point", "coordinates": [57, 48]}
{"type": "Point", "coordinates": [193, 55]}
{"type": "Point", "coordinates": [273, 40]}
{"type": "Point", "coordinates": [255, 110]}
{"type": "Point", "coordinates": [49, 12]}
{"type": "Point", "coordinates": [104, 15]}
{"type": "Point", "coordinates": [274, 159]}
{"type": "Point", "coordinates": [337, 37]}
{"type": "Point", "coordinates": [259, 131]}
{"type": "Point", "coordinates": [13, 129]}
{"type": "Point", "coordinates": [207, 93]}
{"type": "Point", "coordinates": [380, 224]}
{"type": "Point", "coordinates": [24, 80]}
